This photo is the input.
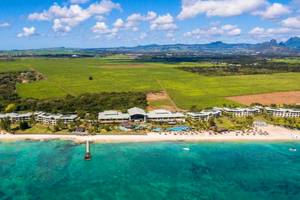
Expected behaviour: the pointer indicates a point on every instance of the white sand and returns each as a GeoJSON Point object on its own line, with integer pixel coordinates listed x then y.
{"type": "Point", "coordinates": [274, 134]}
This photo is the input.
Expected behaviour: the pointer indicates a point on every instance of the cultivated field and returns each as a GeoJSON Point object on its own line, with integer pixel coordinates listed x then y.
{"type": "Point", "coordinates": [71, 76]}
{"type": "Point", "coordinates": [269, 98]}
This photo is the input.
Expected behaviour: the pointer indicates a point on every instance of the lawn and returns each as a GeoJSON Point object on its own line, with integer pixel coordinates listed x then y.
{"type": "Point", "coordinates": [294, 60]}
{"type": "Point", "coordinates": [71, 76]}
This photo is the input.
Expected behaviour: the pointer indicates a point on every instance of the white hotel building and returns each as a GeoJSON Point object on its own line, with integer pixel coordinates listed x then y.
{"type": "Point", "coordinates": [165, 116]}
{"type": "Point", "coordinates": [16, 117]}
{"type": "Point", "coordinates": [53, 119]}
{"type": "Point", "coordinates": [112, 116]}
{"type": "Point", "coordinates": [283, 112]}
{"type": "Point", "coordinates": [139, 115]}
{"type": "Point", "coordinates": [242, 112]}
{"type": "Point", "coordinates": [204, 115]}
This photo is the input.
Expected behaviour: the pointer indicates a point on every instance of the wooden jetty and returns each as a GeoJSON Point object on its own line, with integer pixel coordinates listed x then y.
{"type": "Point", "coordinates": [88, 155]}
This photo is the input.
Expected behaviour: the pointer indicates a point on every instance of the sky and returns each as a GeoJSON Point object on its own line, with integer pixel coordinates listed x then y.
{"type": "Point", "coordinates": [34, 24]}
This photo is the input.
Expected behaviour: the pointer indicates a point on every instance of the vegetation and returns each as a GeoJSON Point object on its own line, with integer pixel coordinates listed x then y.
{"type": "Point", "coordinates": [24, 125]}
{"type": "Point", "coordinates": [83, 103]}
{"type": "Point", "coordinates": [8, 81]}
{"type": "Point", "coordinates": [70, 77]}
{"type": "Point", "coordinates": [245, 69]}
{"type": "Point", "coordinates": [86, 103]}
{"type": "Point", "coordinates": [291, 122]}
{"type": "Point", "coordinates": [5, 124]}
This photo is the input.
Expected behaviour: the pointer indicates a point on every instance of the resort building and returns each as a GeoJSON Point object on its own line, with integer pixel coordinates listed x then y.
{"type": "Point", "coordinates": [242, 112]}
{"type": "Point", "coordinates": [3, 116]}
{"type": "Point", "coordinates": [53, 119]}
{"type": "Point", "coordinates": [165, 116]}
{"type": "Point", "coordinates": [16, 117]}
{"type": "Point", "coordinates": [204, 115]}
{"type": "Point", "coordinates": [137, 115]}
{"type": "Point", "coordinates": [112, 116]}
{"type": "Point", "coordinates": [283, 112]}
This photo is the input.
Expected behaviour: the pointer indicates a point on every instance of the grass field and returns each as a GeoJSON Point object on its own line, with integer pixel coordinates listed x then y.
{"type": "Point", "coordinates": [71, 76]}
{"type": "Point", "coordinates": [288, 60]}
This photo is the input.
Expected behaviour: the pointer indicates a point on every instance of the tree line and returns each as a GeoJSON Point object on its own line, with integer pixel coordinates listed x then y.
{"type": "Point", "coordinates": [87, 103]}
{"type": "Point", "coordinates": [262, 67]}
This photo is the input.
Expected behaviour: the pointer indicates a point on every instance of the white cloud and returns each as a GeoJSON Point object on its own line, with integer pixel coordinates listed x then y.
{"type": "Point", "coordinates": [100, 18]}
{"type": "Point", "coordinates": [270, 32]}
{"type": "Point", "coordinates": [4, 25]}
{"type": "Point", "coordinates": [163, 22]}
{"type": "Point", "coordinates": [59, 26]}
{"type": "Point", "coordinates": [27, 31]}
{"type": "Point", "coordinates": [171, 36]}
{"type": "Point", "coordinates": [100, 27]}
{"type": "Point", "coordinates": [78, 1]}
{"type": "Point", "coordinates": [291, 22]}
{"type": "Point", "coordinates": [223, 8]}
{"type": "Point", "coordinates": [143, 36]}
{"type": "Point", "coordinates": [103, 7]}
{"type": "Point", "coordinates": [274, 11]}
{"type": "Point", "coordinates": [150, 16]}
{"type": "Point", "coordinates": [135, 17]}
{"type": "Point", "coordinates": [65, 18]}
{"type": "Point", "coordinates": [133, 21]}
{"type": "Point", "coordinates": [119, 23]}
{"type": "Point", "coordinates": [225, 30]}
{"type": "Point", "coordinates": [234, 32]}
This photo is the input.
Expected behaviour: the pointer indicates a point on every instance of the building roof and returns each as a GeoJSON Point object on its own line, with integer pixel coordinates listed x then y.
{"type": "Point", "coordinates": [50, 116]}
{"type": "Point", "coordinates": [136, 111]}
{"type": "Point", "coordinates": [112, 114]}
{"type": "Point", "coordinates": [241, 109]}
{"type": "Point", "coordinates": [204, 113]}
{"type": "Point", "coordinates": [282, 110]}
{"type": "Point", "coordinates": [69, 117]}
{"type": "Point", "coordinates": [2, 116]}
{"type": "Point", "coordinates": [164, 114]}
{"type": "Point", "coordinates": [15, 115]}
{"type": "Point", "coordinates": [56, 116]}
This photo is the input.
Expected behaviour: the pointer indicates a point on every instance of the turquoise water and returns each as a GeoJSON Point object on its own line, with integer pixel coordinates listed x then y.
{"type": "Point", "coordinates": [56, 170]}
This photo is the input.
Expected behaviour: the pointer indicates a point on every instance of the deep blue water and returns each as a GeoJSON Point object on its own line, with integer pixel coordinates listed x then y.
{"type": "Point", "coordinates": [56, 170]}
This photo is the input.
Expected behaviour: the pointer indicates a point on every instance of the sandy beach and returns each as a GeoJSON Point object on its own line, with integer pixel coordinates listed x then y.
{"type": "Point", "coordinates": [268, 133]}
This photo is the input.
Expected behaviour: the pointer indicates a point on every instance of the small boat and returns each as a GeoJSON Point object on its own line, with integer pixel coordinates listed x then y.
{"type": "Point", "coordinates": [186, 149]}
{"type": "Point", "coordinates": [292, 149]}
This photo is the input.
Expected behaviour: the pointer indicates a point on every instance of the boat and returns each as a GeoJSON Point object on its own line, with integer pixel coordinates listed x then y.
{"type": "Point", "coordinates": [186, 149]}
{"type": "Point", "coordinates": [292, 149]}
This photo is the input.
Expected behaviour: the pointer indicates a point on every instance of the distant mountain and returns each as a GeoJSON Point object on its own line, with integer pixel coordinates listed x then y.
{"type": "Point", "coordinates": [266, 48]}
{"type": "Point", "coordinates": [290, 47]}
{"type": "Point", "coordinates": [293, 42]}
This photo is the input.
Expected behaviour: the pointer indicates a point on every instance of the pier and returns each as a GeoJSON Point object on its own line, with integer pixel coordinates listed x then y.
{"type": "Point", "coordinates": [88, 155]}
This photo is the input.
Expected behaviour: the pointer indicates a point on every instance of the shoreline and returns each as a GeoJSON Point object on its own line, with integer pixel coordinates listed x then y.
{"type": "Point", "coordinates": [273, 133]}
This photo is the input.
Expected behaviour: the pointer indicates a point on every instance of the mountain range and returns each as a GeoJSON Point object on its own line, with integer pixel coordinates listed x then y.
{"type": "Point", "coordinates": [289, 47]}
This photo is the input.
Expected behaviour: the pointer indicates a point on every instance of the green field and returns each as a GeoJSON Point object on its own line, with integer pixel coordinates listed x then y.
{"type": "Point", "coordinates": [71, 76]}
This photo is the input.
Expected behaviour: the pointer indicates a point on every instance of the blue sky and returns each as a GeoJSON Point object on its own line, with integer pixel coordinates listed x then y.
{"type": "Point", "coordinates": [110, 23]}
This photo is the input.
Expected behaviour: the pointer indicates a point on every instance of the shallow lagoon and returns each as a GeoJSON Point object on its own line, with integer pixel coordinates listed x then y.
{"type": "Point", "coordinates": [56, 170]}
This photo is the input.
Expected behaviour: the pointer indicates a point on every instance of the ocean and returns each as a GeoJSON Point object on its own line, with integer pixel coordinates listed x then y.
{"type": "Point", "coordinates": [141, 171]}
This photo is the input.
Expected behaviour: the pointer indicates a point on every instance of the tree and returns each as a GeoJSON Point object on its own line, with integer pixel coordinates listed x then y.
{"type": "Point", "coordinates": [211, 122]}
{"type": "Point", "coordinates": [193, 108]}
{"type": "Point", "coordinates": [61, 125]}
{"type": "Point", "coordinates": [91, 78]}
{"type": "Point", "coordinates": [1, 106]}
{"type": "Point", "coordinates": [55, 129]}
{"type": "Point", "coordinates": [5, 124]}
{"type": "Point", "coordinates": [24, 125]}
{"type": "Point", "coordinates": [10, 108]}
